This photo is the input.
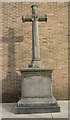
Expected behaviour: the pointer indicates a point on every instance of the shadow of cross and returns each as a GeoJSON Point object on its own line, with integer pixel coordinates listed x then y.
{"type": "Point", "coordinates": [11, 40]}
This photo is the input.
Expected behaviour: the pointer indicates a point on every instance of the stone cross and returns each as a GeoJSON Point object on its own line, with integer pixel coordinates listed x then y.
{"type": "Point", "coordinates": [36, 62]}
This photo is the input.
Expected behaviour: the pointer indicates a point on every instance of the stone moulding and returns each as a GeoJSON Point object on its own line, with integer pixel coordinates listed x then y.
{"type": "Point", "coordinates": [36, 93]}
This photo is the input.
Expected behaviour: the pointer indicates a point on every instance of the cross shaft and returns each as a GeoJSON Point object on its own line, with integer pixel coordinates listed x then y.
{"type": "Point", "coordinates": [34, 18]}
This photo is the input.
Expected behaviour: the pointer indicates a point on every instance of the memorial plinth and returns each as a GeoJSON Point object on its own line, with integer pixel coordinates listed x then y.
{"type": "Point", "coordinates": [36, 95]}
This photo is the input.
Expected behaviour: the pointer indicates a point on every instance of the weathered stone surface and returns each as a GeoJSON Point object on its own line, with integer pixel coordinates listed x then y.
{"type": "Point", "coordinates": [36, 86]}
{"type": "Point", "coordinates": [36, 92]}
{"type": "Point", "coordinates": [37, 105]}
{"type": "Point", "coordinates": [36, 62]}
{"type": "Point", "coordinates": [36, 82]}
{"type": "Point", "coordinates": [36, 101]}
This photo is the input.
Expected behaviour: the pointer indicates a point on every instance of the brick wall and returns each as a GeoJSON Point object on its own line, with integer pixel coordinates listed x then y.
{"type": "Point", "coordinates": [16, 45]}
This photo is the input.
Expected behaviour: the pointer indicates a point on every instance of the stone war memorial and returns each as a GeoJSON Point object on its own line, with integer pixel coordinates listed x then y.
{"type": "Point", "coordinates": [34, 55]}
{"type": "Point", "coordinates": [36, 93]}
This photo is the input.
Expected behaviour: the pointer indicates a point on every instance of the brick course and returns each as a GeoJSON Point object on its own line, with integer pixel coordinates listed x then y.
{"type": "Point", "coordinates": [16, 45]}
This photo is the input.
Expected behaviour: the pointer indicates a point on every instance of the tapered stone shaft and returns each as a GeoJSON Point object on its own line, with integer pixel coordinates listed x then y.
{"type": "Point", "coordinates": [36, 61]}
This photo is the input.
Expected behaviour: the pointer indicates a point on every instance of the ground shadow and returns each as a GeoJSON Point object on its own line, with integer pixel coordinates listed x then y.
{"type": "Point", "coordinates": [11, 85]}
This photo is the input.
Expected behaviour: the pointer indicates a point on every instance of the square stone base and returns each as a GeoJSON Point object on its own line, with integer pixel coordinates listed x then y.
{"type": "Point", "coordinates": [36, 105]}
{"type": "Point", "coordinates": [36, 93]}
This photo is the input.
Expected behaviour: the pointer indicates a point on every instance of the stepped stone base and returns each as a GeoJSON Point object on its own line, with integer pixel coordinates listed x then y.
{"type": "Point", "coordinates": [36, 105]}
{"type": "Point", "coordinates": [36, 93]}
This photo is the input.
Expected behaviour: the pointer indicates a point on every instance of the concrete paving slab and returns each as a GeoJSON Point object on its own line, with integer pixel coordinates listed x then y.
{"type": "Point", "coordinates": [7, 111]}
{"type": "Point", "coordinates": [64, 110]}
{"type": "Point", "coordinates": [43, 115]}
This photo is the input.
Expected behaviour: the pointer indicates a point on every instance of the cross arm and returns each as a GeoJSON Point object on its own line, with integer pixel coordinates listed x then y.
{"type": "Point", "coordinates": [42, 18]}
{"type": "Point", "coordinates": [26, 18]}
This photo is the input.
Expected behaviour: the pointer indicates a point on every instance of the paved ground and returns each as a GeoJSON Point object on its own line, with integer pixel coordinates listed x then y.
{"type": "Point", "coordinates": [7, 112]}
